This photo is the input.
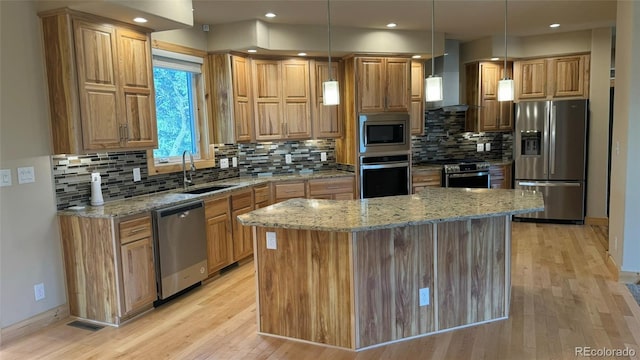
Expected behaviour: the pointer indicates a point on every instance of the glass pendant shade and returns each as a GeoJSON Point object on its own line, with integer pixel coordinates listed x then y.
{"type": "Point", "coordinates": [505, 90]}
{"type": "Point", "coordinates": [433, 88]}
{"type": "Point", "coordinates": [330, 93]}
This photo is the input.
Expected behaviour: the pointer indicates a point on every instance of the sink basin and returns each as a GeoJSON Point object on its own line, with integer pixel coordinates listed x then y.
{"type": "Point", "coordinates": [206, 189]}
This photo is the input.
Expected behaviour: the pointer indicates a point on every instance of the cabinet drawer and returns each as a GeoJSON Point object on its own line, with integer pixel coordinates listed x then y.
{"type": "Point", "coordinates": [261, 193]}
{"type": "Point", "coordinates": [242, 199]}
{"type": "Point", "coordinates": [135, 229]}
{"type": "Point", "coordinates": [330, 186]}
{"type": "Point", "coordinates": [431, 177]}
{"type": "Point", "coordinates": [216, 207]}
{"type": "Point", "coordinates": [289, 190]}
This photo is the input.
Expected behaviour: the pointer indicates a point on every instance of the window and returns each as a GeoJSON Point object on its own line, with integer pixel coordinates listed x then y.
{"type": "Point", "coordinates": [181, 121]}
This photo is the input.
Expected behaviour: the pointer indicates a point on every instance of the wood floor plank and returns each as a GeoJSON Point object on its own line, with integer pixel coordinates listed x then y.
{"type": "Point", "coordinates": [563, 296]}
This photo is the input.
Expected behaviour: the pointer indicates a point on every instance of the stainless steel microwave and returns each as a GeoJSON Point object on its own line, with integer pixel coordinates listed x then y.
{"type": "Point", "coordinates": [384, 133]}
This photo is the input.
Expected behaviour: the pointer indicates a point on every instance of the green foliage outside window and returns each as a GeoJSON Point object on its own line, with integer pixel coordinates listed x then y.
{"type": "Point", "coordinates": [175, 112]}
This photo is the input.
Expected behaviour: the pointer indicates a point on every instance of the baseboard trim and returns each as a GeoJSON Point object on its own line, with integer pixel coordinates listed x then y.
{"type": "Point", "coordinates": [596, 221]}
{"type": "Point", "coordinates": [629, 277]}
{"type": "Point", "coordinates": [612, 266]}
{"type": "Point", "coordinates": [33, 324]}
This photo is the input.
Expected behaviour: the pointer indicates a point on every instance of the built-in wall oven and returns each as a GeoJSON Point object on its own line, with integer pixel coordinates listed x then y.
{"type": "Point", "coordinates": [384, 175]}
{"type": "Point", "coordinates": [384, 133]}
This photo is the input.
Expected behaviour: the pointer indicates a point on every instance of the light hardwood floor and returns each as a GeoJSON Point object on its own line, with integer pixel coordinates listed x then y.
{"type": "Point", "coordinates": [563, 296]}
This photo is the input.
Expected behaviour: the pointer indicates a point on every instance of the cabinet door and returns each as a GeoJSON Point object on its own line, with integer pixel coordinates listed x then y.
{"type": "Point", "coordinates": [568, 75]}
{"type": "Point", "coordinates": [370, 80]}
{"type": "Point", "coordinates": [242, 236]}
{"type": "Point", "coordinates": [136, 77]}
{"type": "Point", "coordinates": [219, 234]}
{"type": "Point", "coordinates": [326, 120]}
{"type": "Point", "coordinates": [531, 79]}
{"type": "Point", "coordinates": [489, 115]}
{"type": "Point", "coordinates": [98, 85]}
{"type": "Point", "coordinates": [267, 75]}
{"type": "Point", "coordinates": [490, 74]}
{"type": "Point", "coordinates": [398, 85]}
{"type": "Point", "coordinates": [506, 115]}
{"type": "Point", "coordinates": [296, 94]}
{"type": "Point", "coordinates": [416, 112]}
{"type": "Point", "coordinates": [138, 274]}
{"type": "Point", "coordinates": [242, 105]}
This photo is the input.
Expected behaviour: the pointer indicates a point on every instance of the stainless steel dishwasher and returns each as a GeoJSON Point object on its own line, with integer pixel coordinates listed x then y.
{"type": "Point", "coordinates": [181, 255]}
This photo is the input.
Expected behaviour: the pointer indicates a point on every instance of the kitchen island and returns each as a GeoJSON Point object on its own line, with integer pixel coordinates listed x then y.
{"type": "Point", "coordinates": [359, 273]}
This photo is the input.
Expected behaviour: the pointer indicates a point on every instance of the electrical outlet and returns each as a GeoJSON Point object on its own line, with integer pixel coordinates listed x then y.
{"type": "Point", "coordinates": [224, 163]}
{"type": "Point", "coordinates": [5, 177]}
{"type": "Point", "coordinates": [487, 147]}
{"type": "Point", "coordinates": [95, 176]}
{"type": "Point", "coordinates": [234, 161]}
{"type": "Point", "coordinates": [38, 290]}
{"type": "Point", "coordinates": [424, 296]}
{"type": "Point", "coordinates": [136, 174]}
{"type": "Point", "coordinates": [271, 240]}
{"type": "Point", "coordinates": [323, 156]}
{"type": "Point", "coordinates": [287, 159]}
{"type": "Point", "coordinates": [26, 175]}
{"type": "Point", "coordinates": [479, 147]}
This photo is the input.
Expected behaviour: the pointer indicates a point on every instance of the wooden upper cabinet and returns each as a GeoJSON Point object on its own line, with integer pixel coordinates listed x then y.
{"type": "Point", "coordinates": [485, 112]}
{"type": "Point", "coordinates": [383, 84]}
{"type": "Point", "coordinates": [296, 96]}
{"type": "Point", "coordinates": [267, 77]}
{"type": "Point", "coordinates": [327, 122]}
{"type": "Point", "coordinates": [100, 81]}
{"type": "Point", "coordinates": [417, 98]}
{"type": "Point", "coordinates": [552, 78]}
{"type": "Point", "coordinates": [242, 104]}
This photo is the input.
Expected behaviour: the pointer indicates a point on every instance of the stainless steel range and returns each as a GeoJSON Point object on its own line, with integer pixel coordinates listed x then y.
{"type": "Point", "coordinates": [467, 174]}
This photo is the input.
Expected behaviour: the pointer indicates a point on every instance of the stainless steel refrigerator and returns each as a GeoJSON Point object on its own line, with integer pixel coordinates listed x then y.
{"type": "Point", "coordinates": [550, 156]}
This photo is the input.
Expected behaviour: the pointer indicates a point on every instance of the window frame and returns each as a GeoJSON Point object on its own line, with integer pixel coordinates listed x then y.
{"type": "Point", "coordinates": [207, 156]}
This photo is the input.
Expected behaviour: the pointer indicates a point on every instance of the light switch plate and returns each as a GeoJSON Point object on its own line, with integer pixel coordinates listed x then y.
{"type": "Point", "coordinates": [136, 174]}
{"type": "Point", "coordinates": [271, 240]}
{"type": "Point", "coordinates": [287, 159]}
{"type": "Point", "coordinates": [424, 296]}
{"type": "Point", "coordinates": [480, 147]}
{"type": "Point", "coordinates": [234, 161]}
{"type": "Point", "coordinates": [487, 147]}
{"type": "Point", "coordinates": [323, 156]}
{"type": "Point", "coordinates": [224, 163]}
{"type": "Point", "coordinates": [5, 177]}
{"type": "Point", "coordinates": [26, 175]}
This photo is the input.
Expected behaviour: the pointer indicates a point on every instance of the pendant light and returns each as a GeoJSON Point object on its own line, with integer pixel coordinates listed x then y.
{"type": "Point", "coordinates": [433, 84]}
{"type": "Point", "coordinates": [330, 88]}
{"type": "Point", "coordinates": [505, 86]}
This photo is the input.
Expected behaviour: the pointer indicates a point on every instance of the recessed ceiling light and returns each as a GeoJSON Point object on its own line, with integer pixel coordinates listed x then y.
{"type": "Point", "coordinates": [416, 56]}
{"type": "Point", "coordinates": [554, 25]}
{"type": "Point", "coordinates": [270, 15]}
{"type": "Point", "coordinates": [252, 51]}
{"type": "Point", "coordinates": [392, 25]}
{"type": "Point", "coordinates": [302, 54]}
{"type": "Point", "coordinates": [495, 59]}
{"type": "Point", "coordinates": [140, 20]}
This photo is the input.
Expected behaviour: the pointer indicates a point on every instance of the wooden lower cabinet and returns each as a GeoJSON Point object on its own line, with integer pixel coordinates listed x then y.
{"type": "Point", "coordinates": [241, 203]}
{"type": "Point", "coordinates": [421, 179]}
{"type": "Point", "coordinates": [285, 190]}
{"type": "Point", "coordinates": [341, 188]}
{"type": "Point", "coordinates": [262, 196]}
{"type": "Point", "coordinates": [500, 176]}
{"type": "Point", "coordinates": [109, 266]}
{"type": "Point", "coordinates": [219, 234]}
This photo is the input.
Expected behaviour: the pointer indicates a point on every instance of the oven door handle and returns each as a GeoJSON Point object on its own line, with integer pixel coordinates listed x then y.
{"type": "Point", "coordinates": [466, 175]}
{"type": "Point", "coordinates": [384, 166]}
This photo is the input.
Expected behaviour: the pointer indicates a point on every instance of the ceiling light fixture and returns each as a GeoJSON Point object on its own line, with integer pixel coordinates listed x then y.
{"type": "Point", "coordinates": [433, 84]}
{"type": "Point", "coordinates": [140, 20]}
{"type": "Point", "coordinates": [252, 51]}
{"type": "Point", "coordinates": [495, 59]}
{"type": "Point", "coordinates": [392, 25]}
{"type": "Point", "coordinates": [556, 25]}
{"type": "Point", "coordinates": [330, 88]}
{"type": "Point", "coordinates": [505, 86]}
{"type": "Point", "coordinates": [302, 54]}
{"type": "Point", "coordinates": [270, 15]}
{"type": "Point", "coordinates": [416, 56]}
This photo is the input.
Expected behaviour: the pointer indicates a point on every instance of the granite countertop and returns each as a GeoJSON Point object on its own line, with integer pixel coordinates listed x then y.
{"type": "Point", "coordinates": [431, 205]}
{"type": "Point", "coordinates": [144, 203]}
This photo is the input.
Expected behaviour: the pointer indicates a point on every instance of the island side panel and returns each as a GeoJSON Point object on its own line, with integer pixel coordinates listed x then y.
{"type": "Point", "coordinates": [471, 271]}
{"type": "Point", "coordinates": [90, 267]}
{"type": "Point", "coordinates": [304, 286]}
{"type": "Point", "coordinates": [391, 265]}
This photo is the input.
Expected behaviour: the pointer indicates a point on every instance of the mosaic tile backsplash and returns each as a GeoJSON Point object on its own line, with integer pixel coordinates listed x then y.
{"type": "Point", "coordinates": [445, 139]}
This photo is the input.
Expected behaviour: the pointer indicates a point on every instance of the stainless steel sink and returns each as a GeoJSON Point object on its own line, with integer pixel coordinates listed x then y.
{"type": "Point", "coordinates": [206, 189]}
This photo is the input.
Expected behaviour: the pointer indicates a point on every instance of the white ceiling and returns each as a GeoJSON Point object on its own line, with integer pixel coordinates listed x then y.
{"type": "Point", "coordinates": [462, 20]}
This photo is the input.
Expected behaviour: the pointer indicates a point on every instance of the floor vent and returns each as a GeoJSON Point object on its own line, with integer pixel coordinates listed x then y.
{"type": "Point", "coordinates": [85, 325]}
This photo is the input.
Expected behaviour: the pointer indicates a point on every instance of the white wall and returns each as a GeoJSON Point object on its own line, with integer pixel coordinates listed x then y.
{"type": "Point", "coordinates": [193, 37]}
{"type": "Point", "coordinates": [30, 249]}
{"type": "Point", "coordinates": [624, 227]}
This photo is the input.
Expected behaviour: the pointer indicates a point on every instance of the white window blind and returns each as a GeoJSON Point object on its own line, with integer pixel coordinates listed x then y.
{"type": "Point", "coordinates": [177, 61]}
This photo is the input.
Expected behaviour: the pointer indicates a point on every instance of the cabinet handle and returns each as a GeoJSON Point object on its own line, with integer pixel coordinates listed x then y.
{"type": "Point", "coordinates": [135, 231]}
{"type": "Point", "coordinates": [121, 133]}
{"type": "Point", "coordinates": [126, 132]}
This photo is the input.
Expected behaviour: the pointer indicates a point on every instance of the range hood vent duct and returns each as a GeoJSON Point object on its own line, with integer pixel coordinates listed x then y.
{"type": "Point", "coordinates": [449, 66]}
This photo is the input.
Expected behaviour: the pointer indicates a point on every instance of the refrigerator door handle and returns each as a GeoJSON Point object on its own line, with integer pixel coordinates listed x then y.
{"type": "Point", "coordinates": [549, 184]}
{"type": "Point", "coordinates": [552, 146]}
{"type": "Point", "coordinates": [545, 141]}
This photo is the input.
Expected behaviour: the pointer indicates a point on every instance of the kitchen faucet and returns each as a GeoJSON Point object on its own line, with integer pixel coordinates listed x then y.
{"type": "Point", "coordinates": [186, 182]}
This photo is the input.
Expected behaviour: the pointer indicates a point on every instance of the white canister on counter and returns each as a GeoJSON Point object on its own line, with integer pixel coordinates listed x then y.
{"type": "Point", "coordinates": [96, 190]}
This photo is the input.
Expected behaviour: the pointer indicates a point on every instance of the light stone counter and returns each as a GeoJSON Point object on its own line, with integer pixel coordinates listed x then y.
{"type": "Point", "coordinates": [432, 205]}
{"type": "Point", "coordinates": [144, 203]}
